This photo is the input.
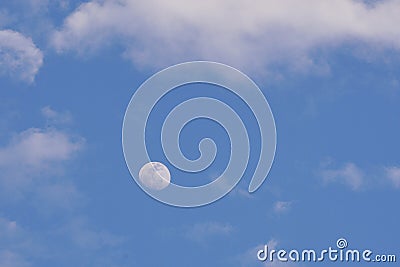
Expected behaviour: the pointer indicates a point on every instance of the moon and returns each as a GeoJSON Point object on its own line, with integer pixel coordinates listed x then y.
{"type": "Point", "coordinates": [155, 175]}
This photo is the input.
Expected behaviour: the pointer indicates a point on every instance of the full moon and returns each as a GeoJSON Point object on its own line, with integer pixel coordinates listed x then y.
{"type": "Point", "coordinates": [154, 175]}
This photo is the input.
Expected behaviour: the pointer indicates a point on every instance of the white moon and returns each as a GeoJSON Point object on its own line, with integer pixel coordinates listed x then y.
{"type": "Point", "coordinates": [154, 175]}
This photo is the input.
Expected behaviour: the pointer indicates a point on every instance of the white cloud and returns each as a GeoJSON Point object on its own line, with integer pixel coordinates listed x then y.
{"type": "Point", "coordinates": [54, 117]}
{"type": "Point", "coordinates": [356, 178]}
{"type": "Point", "coordinates": [201, 231]}
{"type": "Point", "coordinates": [349, 175]}
{"type": "Point", "coordinates": [282, 206]}
{"type": "Point", "coordinates": [32, 161]}
{"type": "Point", "coordinates": [19, 56]}
{"type": "Point", "coordinates": [249, 34]}
{"type": "Point", "coordinates": [393, 174]}
{"type": "Point", "coordinates": [37, 148]}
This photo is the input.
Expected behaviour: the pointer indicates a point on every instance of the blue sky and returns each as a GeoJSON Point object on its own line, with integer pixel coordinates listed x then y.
{"type": "Point", "coordinates": [330, 72]}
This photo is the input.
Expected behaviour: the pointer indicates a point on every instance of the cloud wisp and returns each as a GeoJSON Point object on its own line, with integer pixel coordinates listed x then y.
{"type": "Point", "coordinates": [34, 159]}
{"type": "Point", "coordinates": [56, 118]}
{"type": "Point", "coordinates": [393, 174]}
{"type": "Point", "coordinates": [282, 206]}
{"type": "Point", "coordinates": [34, 152]}
{"type": "Point", "coordinates": [13, 243]}
{"type": "Point", "coordinates": [357, 178]}
{"type": "Point", "coordinates": [349, 175]}
{"type": "Point", "coordinates": [203, 231]}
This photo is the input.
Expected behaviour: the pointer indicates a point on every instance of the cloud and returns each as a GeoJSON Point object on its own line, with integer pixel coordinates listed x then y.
{"type": "Point", "coordinates": [201, 231]}
{"type": "Point", "coordinates": [58, 197]}
{"type": "Point", "coordinates": [356, 178]}
{"type": "Point", "coordinates": [242, 193]}
{"type": "Point", "coordinates": [13, 237]}
{"type": "Point", "coordinates": [393, 174]}
{"type": "Point", "coordinates": [33, 160]}
{"type": "Point", "coordinates": [12, 242]}
{"type": "Point", "coordinates": [19, 56]}
{"type": "Point", "coordinates": [253, 35]}
{"type": "Point", "coordinates": [349, 175]}
{"type": "Point", "coordinates": [77, 237]}
{"type": "Point", "coordinates": [82, 235]}
{"type": "Point", "coordinates": [36, 149]}
{"type": "Point", "coordinates": [282, 206]}
{"type": "Point", "coordinates": [53, 117]}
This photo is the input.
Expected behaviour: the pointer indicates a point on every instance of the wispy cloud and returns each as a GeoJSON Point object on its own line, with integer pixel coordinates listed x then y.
{"type": "Point", "coordinates": [35, 152]}
{"type": "Point", "coordinates": [349, 174]}
{"type": "Point", "coordinates": [36, 148]}
{"type": "Point", "coordinates": [259, 34]}
{"type": "Point", "coordinates": [12, 244]}
{"type": "Point", "coordinates": [282, 206]}
{"type": "Point", "coordinates": [33, 160]}
{"type": "Point", "coordinates": [57, 196]}
{"type": "Point", "coordinates": [82, 235]}
{"type": "Point", "coordinates": [54, 117]}
{"type": "Point", "coordinates": [76, 236]}
{"type": "Point", "coordinates": [241, 192]}
{"type": "Point", "coordinates": [393, 174]}
{"type": "Point", "coordinates": [19, 56]}
{"type": "Point", "coordinates": [203, 231]}
{"type": "Point", "coordinates": [357, 178]}
{"type": "Point", "coordinates": [7, 228]}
